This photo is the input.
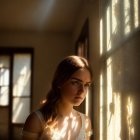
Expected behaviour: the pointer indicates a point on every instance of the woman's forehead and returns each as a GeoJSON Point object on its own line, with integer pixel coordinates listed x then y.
{"type": "Point", "coordinates": [82, 74]}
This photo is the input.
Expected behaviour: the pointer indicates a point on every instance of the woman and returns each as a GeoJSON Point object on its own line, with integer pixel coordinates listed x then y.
{"type": "Point", "coordinates": [57, 119]}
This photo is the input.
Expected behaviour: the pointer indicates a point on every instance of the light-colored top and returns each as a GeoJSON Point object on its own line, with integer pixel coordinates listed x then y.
{"type": "Point", "coordinates": [55, 135]}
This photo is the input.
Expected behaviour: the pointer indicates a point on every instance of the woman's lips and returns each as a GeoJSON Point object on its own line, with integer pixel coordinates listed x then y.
{"type": "Point", "coordinates": [78, 97]}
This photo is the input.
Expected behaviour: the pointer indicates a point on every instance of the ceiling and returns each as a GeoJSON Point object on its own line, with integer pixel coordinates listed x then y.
{"type": "Point", "coordinates": [39, 15]}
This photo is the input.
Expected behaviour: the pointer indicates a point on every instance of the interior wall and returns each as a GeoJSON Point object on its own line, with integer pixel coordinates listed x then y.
{"type": "Point", "coordinates": [90, 10]}
{"type": "Point", "coordinates": [126, 75]}
{"type": "Point", "coordinates": [49, 49]}
{"type": "Point", "coordinates": [131, 87]}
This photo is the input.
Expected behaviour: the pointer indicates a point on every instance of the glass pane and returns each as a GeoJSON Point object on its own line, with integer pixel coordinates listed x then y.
{"type": "Point", "coordinates": [127, 17]}
{"type": "Point", "coordinates": [108, 28]}
{"type": "Point", "coordinates": [20, 110]}
{"type": "Point", "coordinates": [115, 12]}
{"type": "Point", "coordinates": [4, 76]}
{"type": "Point", "coordinates": [4, 96]}
{"type": "Point", "coordinates": [110, 120]}
{"type": "Point", "coordinates": [4, 80]}
{"type": "Point", "coordinates": [113, 105]}
{"type": "Point", "coordinates": [130, 117]}
{"type": "Point", "coordinates": [136, 13]}
{"type": "Point", "coordinates": [101, 107]}
{"type": "Point", "coordinates": [22, 75]}
{"type": "Point", "coordinates": [116, 22]}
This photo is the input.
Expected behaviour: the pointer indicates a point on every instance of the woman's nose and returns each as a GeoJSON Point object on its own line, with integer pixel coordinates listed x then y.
{"type": "Point", "coordinates": [82, 88]}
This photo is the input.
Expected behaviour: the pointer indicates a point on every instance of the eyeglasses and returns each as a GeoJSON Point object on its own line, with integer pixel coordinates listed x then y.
{"type": "Point", "coordinates": [79, 83]}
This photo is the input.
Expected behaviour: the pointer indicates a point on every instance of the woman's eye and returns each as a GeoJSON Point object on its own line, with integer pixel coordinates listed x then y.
{"type": "Point", "coordinates": [75, 82]}
{"type": "Point", "coordinates": [87, 85]}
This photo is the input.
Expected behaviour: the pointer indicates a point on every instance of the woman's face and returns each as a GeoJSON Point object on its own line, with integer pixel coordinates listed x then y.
{"type": "Point", "coordinates": [74, 90]}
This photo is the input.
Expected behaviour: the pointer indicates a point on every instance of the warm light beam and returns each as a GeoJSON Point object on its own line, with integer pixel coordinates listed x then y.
{"type": "Point", "coordinates": [101, 37]}
{"type": "Point", "coordinates": [101, 107]}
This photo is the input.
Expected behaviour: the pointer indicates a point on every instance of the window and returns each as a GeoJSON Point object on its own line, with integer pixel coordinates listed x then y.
{"type": "Point", "coordinates": [21, 97]}
{"type": "Point", "coordinates": [82, 44]}
{"type": "Point", "coordinates": [82, 49]}
{"type": "Point", "coordinates": [15, 86]}
{"type": "Point", "coordinates": [119, 20]}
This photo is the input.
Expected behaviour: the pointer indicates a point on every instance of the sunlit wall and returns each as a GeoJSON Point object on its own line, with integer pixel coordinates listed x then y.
{"type": "Point", "coordinates": [119, 76]}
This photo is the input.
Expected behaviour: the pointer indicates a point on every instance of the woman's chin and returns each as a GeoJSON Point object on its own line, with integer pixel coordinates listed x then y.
{"type": "Point", "coordinates": [77, 103]}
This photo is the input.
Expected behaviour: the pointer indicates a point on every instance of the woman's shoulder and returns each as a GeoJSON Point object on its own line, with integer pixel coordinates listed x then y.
{"type": "Point", "coordinates": [33, 123]}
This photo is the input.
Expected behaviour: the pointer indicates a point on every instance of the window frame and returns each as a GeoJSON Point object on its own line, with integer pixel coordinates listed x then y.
{"type": "Point", "coordinates": [107, 54]}
{"type": "Point", "coordinates": [10, 51]}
